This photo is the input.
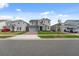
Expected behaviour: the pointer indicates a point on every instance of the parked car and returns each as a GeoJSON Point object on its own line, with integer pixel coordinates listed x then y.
{"type": "Point", "coordinates": [74, 31]}
{"type": "Point", "coordinates": [5, 30]}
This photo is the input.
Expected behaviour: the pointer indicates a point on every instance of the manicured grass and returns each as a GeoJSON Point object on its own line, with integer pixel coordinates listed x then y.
{"type": "Point", "coordinates": [56, 35]}
{"type": "Point", "coordinates": [9, 34]}
{"type": "Point", "coordinates": [5, 36]}
{"type": "Point", "coordinates": [71, 36]}
{"type": "Point", "coordinates": [51, 33]}
{"type": "Point", "coordinates": [59, 36]}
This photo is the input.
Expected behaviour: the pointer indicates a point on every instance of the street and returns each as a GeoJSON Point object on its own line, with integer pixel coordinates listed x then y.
{"type": "Point", "coordinates": [39, 47]}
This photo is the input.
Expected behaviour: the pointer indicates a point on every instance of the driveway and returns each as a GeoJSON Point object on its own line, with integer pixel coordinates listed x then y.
{"type": "Point", "coordinates": [26, 36]}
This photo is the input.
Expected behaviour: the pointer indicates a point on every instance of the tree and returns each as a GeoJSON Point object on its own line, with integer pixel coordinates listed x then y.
{"type": "Point", "coordinates": [59, 25]}
{"type": "Point", "coordinates": [12, 28]}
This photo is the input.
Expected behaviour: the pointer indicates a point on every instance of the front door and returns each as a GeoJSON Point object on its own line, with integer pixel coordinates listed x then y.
{"type": "Point", "coordinates": [40, 28]}
{"type": "Point", "coordinates": [27, 28]}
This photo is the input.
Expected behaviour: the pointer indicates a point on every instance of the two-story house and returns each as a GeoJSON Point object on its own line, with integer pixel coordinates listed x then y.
{"type": "Point", "coordinates": [39, 25]}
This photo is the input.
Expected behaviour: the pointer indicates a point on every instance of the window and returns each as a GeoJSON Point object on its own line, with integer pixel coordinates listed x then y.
{"type": "Point", "coordinates": [31, 22]}
{"type": "Point", "coordinates": [41, 22]}
{"type": "Point", "coordinates": [69, 28]}
{"type": "Point", "coordinates": [18, 23]}
{"type": "Point", "coordinates": [36, 22]}
{"type": "Point", "coordinates": [17, 28]}
{"type": "Point", "coordinates": [48, 27]}
{"type": "Point", "coordinates": [20, 28]}
{"type": "Point", "coordinates": [48, 21]}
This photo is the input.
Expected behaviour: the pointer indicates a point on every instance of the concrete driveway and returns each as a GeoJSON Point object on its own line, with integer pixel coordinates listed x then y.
{"type": "Point", "coordinates": [26, 36]}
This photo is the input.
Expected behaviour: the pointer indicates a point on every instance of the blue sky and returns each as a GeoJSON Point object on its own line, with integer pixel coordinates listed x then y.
{"type": "Point", "coordinates": [28, 11]}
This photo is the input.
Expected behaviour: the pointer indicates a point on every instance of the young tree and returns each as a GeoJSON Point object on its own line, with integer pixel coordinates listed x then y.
{"type": "Point", "coordinates": [59, 25]}
{"type": "Point", "coordinates": [12, 28]}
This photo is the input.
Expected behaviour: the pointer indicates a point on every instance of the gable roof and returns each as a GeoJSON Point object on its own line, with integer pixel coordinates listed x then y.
{"type": "Point", "coordinates": [39, 19]}
{"type": "Point", "coordinates": [20, 21]}
{"type": "Point", "coordinates": [33, 20]}
{"type": "Point", "coordinates": [2, 20]}
{"type": "Point", "coordinates": [72, 21]}
{"type": "Point", "coordinates": [45, 19]}
{"type": "Point", "coordinates": [5, 20]}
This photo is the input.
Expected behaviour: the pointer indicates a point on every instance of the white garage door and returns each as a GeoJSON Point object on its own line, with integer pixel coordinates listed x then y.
{"type": "Point", "coordinates": [32, 29]}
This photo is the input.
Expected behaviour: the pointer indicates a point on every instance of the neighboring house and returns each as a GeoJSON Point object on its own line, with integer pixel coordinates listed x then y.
{"type": "Point", "coordinates": [5, 25]}
{"type": "Point", "coordinates": [67, 26]}
{"type": "Point", "coordinates": [39, 25]}
{"type": "Point", "coordinates": [20, 25]}
{"type": "Point", "coordinates": [71, 26]}
{"type": "Point", "coordinates": [55, 27]}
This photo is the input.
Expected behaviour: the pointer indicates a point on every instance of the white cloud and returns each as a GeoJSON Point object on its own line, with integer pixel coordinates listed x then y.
{"type": "Point", "coordinates": [18, 10]}
{"type": "Point", "coordinates": [18, 18]}
{"type": "Point", "coordinates": [53, 16]}
{"type": "Point", "coordinates": [45, 13]}
{"type": "Point", "coordinates": [3, 5]}
{"type": "Point", "coordinates": [63, 15]}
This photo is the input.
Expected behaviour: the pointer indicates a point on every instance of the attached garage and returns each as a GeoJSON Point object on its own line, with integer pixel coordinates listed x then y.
{"type": "Point", "coordinates": [33, 28]}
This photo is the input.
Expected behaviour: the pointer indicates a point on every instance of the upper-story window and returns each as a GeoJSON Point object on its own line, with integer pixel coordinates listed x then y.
{"type": "Point", "coordinates": [48, 21]}
{"type": "Point", "coordinates": [44, 21]}
{"type": "Point", "coordinates": [31, 22]}
{"type": "Point", "coordinates": [36, 22]}
{"type": "Point", "coordinates": [18, 23]}
{"type": "Point", "coordinates": [41, 22]}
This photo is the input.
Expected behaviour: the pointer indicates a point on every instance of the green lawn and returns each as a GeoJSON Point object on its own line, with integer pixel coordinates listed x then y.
{"type": "Point", "coordinates": [50, 32]}
{"type": "Point", "coordinates": [56, 35]}
{"type": "Point", "coordinates": [9, 34]}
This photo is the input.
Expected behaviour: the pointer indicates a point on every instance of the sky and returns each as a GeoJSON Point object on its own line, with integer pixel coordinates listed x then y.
{"type": "Point", "coordinates": [29, 11]}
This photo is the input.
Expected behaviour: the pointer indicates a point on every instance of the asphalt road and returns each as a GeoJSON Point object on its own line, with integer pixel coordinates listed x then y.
{"type": "Point", "coordinates": [39, 47]}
